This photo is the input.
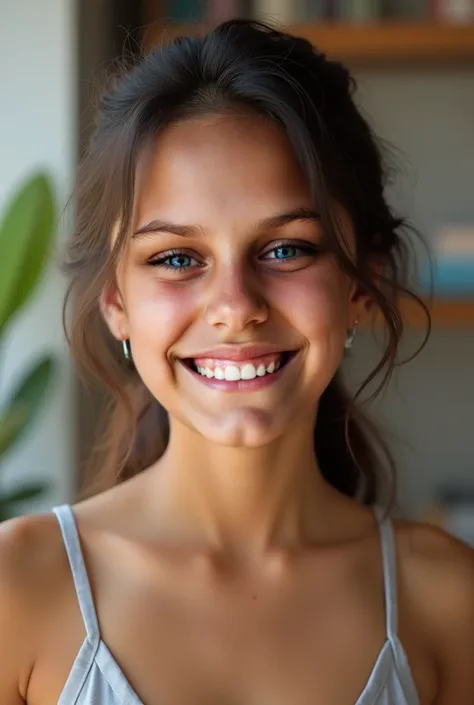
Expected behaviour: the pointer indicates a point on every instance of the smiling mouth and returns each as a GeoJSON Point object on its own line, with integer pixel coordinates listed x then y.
{"type": "Point", "coordinates": [233, 371]}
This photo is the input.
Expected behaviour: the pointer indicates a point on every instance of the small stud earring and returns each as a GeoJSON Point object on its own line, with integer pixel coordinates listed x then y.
{"type": "Point", "coordinates": [127, 353]}
{"type": "Point", "coordinates": [351, 335]}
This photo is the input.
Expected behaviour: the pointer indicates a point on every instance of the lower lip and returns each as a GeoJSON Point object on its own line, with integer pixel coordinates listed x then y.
{"type": "Point", "coordinates": [243, 385]}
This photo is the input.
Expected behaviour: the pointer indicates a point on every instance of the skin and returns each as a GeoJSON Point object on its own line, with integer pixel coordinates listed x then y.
{"type": "Point", "coordinates": [238, 573]}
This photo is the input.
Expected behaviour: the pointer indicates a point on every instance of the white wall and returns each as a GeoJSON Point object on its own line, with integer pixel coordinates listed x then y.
{"type": "Point", "coordinates": [38, 130]}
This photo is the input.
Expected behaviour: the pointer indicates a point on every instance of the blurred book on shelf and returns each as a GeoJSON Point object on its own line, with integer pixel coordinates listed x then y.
{"type": "Point", "coordinates": [288, 12]}
{"type": "Point", "coordinates": [406, 9]}
{"type": "Point", "coordinates": [461, 11]}
{"type": "Point", "coordinates": [359, 10]}
{"type": "Point", "coordinates": [453, 265]}
{"type": "Point", "coordinates": [221, 10]}
{"type": "Point", "coordinates": [178, 11]}
{"type": "Point", "coordinates": [279, 11]}
{"type": "Point", "coordinates": [292, 11]}
{"type": "Point", "coordinates": [318, 9]}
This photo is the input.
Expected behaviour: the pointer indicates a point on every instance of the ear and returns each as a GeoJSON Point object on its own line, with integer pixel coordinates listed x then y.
{"type": "Point", "coordinates": [361, 303]}
{"type": "Point", "coordinates": [113, 311]}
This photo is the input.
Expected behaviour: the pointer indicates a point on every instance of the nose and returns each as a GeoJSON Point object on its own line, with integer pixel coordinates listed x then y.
{"type": "Point", "coordinates": [234, 302]}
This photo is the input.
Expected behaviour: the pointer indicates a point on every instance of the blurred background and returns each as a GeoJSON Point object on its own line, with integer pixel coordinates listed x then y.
{"type": "Point", "coordinates": [414, 63]}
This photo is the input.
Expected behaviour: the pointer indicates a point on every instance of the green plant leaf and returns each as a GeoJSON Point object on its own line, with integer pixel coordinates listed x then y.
{"type": "Point", "coordinates": [16, 496]}
{"type": "Point", "coordinates": [24, 403]}
{"type": "Point", "coordinates": [25, 239]}
{"type": "Point", "coordinates": [24, 493]}
{"type": "Point", "coordinates": [11, 423]}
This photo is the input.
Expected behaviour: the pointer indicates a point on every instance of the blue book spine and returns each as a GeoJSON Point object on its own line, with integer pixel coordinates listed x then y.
{"type": "Point", "coordinates": [450, 276]}
{"type": "Point", "coordinates": [184, 10]}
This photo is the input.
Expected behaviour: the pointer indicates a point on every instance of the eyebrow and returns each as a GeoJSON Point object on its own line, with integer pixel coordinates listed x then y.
{"type": "Point", "coordinates": [273, 222]}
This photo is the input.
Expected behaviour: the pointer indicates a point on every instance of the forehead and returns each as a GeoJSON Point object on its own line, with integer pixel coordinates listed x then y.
{"type": "Point", "coordinates": [224, 165]}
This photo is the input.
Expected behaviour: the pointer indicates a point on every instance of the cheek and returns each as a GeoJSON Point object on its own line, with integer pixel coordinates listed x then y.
{"type": "Point", "coordinates": [316, 306]}
{"type": "Point", "coordinates": [315, 301]}
{"type": "Point", "coordinates": [158, 313]}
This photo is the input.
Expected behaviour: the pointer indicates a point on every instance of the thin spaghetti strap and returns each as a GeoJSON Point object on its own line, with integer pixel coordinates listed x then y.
{"type": "Point", "coordinates": [389, 562]}
{"type": "Point", "coordinates": [67, 523]}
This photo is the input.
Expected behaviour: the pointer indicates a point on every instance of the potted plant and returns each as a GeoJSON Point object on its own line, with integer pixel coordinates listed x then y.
{"type": "Point", "coordinates": [26, 236]}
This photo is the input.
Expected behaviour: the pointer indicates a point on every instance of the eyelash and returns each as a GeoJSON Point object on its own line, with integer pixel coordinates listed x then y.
{"type": "Point", "coordinates": [305, 248]}
{"type": "Point", "coordinates": [160, 260]}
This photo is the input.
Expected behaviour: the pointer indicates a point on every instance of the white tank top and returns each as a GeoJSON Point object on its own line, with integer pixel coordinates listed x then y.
{"type": "Point", "coordinates": [96, 679]}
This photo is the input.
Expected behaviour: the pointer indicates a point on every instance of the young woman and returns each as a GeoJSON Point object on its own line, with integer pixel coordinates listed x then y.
{"type": "Point", "coordinates": [232, 234]}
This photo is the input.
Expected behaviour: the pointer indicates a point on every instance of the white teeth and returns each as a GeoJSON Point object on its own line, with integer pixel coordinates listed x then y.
{"type": "Point", "coordinates": [248, 371]}
{"type": "Point", "coordinates": [205, 371]}
{"type": "Point", "coordinates": [231, 373]}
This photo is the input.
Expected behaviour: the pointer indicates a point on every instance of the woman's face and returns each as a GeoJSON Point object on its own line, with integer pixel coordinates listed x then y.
{"type": "Point", "coordinates": [236, 315]}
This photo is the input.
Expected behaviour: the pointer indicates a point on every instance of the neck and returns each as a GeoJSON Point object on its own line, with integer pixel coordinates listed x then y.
{"type": "Point", "coordinates": [243, 501]}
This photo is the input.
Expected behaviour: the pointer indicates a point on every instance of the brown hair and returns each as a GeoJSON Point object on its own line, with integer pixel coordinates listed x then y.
{"type": "Point", "coordinates": [251, 65]}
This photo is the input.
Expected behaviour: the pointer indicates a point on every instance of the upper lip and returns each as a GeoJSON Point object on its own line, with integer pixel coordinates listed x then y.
{"type": "Point", "coordinates": [239, 353]}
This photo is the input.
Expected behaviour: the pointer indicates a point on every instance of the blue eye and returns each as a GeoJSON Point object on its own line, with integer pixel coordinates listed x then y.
{"type": "Point", "coordinates": [178, 261]}
{"type": "Point", "coordinates": [174, 261]}
{"type": "Point", "coordinates": [290, 251]}
{"type": "Point", "coordinates": [285, 251]}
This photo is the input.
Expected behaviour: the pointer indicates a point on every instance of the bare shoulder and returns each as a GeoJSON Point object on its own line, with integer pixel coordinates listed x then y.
{"type": "Point", "coordinates": [27, 542]}
{"type": "Point", "coordinates": [31, 565]}
{"type": "Point", "coordinates": [438, 560]}
{"type": "Point", "coordinates": [437, 573]}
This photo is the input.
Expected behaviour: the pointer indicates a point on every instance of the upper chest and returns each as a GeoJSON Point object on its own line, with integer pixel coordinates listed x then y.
{"type": "Point", "coordinates": [184, 635]}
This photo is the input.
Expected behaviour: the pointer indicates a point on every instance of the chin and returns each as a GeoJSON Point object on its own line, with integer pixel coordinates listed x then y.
{"type": "Point", "coordinates": [244, 428]}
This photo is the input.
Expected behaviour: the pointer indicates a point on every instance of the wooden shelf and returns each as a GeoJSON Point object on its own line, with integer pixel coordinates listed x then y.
{"type": "Point", "coordinates": [393, 42]}
{"type": "Point", "coordinates": [378, 43]}
{"type": "Point", "coordinates": [445, 313]}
